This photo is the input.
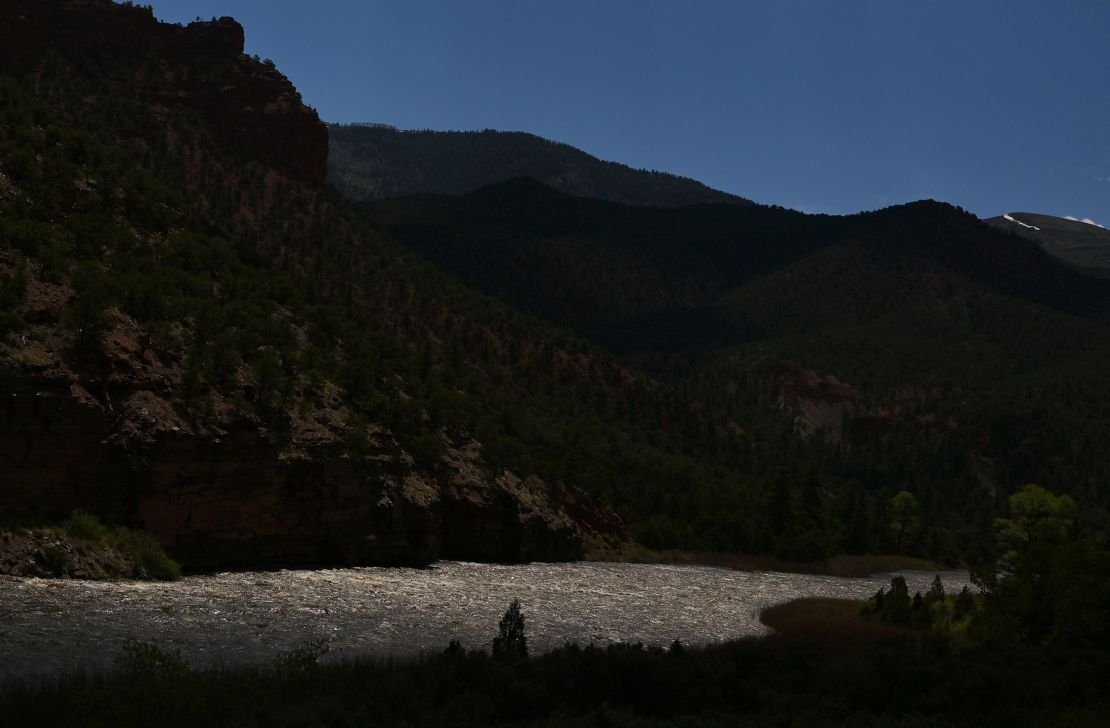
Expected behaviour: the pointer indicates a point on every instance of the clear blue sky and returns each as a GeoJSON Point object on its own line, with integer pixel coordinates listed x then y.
{"type": "Point", "coordinates": [813, 104]}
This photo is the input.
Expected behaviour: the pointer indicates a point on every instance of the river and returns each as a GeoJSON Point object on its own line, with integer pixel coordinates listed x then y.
{"type": "Point", "coordinates": [47, 626]}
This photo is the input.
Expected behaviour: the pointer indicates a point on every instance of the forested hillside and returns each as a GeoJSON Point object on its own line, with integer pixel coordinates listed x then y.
{"type": "Point", "coordinates": [202, 339]}
{"type": "Point", "coordinates": [912, 349]}
{"type": "Point", "coordinates": [171, 290]}
{"type": "Point", "coordinates": [376, 161]}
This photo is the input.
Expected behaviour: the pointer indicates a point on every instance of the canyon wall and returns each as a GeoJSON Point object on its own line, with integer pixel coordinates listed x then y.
{"type": "Point", "coordinates": [248, 103]}
{"type": "Point", "coordinates": [236, 498]}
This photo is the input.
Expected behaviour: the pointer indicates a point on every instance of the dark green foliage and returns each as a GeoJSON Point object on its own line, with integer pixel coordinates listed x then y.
{"type": "Point", "coordinates": [426, 448]}
{"type": "Point", "coordinates": [756, 683]}
{"type": "Point", "coordinates": [141, 548]}
{"type": "Point", "coordinates": [925, 311]}
{"type": "Point", "coordinates": [85, 527]}
{"type": "Point", "coordinates": [91, 298]}
{"type": "Point", "coordinates": [147, 554]}
{"type": "Point", "coordinates": [1047, 585]}
{"type": "Point", "coordinates": [897, 604]}
{"type": "Point", "coordinates": [964, 603]}
{"type": "Point", "coordinates": [936, 590]}
{"type": "Point", "coordinates": [511, 641]}
{"type": "Point", "coordinates": [942, 619]}
{"type": "Point", "coordinates": [269, 313]}
{"type": "Point", "coordinates": [278, 297]}
{"type": "Point", "coordinates": [55, 559]}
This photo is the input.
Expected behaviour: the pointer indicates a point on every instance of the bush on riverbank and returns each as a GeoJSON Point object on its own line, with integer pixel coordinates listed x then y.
{"type": "Point", "coordinates": [828, 622]}
{"type": "Point", "coordinates": [84, 548]}
{"type": "Point", "coordinates": [935, 613]}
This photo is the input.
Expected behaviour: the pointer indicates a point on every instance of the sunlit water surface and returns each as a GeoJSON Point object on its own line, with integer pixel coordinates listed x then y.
{"type": "Point", "coordinates": [51, 625]}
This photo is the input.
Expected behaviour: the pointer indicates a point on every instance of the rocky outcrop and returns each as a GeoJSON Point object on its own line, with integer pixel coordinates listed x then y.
{"type": "Point", "coordinates": [225, 490]}
{"type": "Point", "coordinates": [47, 553]}
{"type": "Point", "coordinates": [508, 519]}
{"type": "Point", "coordinates": [235, 498]}
{"type": "Point", "coordinates": [819, 403]}
{"type": "Point", "coordinates": [247, 102]}
{"type": "Point", "coordinates": [228, 492]}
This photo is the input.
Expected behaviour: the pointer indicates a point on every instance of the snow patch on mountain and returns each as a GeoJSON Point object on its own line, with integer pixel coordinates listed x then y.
{"type": "Point", "coordinates": [1019, 222]}
{"type": "Point", "coordinates": [1087, 220]}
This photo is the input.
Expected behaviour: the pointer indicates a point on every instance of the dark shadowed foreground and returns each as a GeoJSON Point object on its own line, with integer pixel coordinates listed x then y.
{"type": "Point", "coordinates": [904, 680]}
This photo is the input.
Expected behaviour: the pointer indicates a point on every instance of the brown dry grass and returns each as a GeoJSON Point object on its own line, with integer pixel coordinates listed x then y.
{"type": "Point", "coordinates": [843, 565]}
{"type": "Point", "coordinates": [828, 622]}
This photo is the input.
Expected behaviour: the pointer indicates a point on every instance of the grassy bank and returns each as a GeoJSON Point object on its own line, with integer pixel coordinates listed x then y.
{"type": "Point", "coordinates": [827, 621]}
{"type": "Point", "coordinates": [847, 565]}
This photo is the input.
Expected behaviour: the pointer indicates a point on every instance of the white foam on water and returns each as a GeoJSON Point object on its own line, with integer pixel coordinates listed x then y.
{"type": "Point", "coordinates": [47, 626]}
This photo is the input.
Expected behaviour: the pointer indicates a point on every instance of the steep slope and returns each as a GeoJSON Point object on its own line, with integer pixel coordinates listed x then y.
{"type": "Point", "coordinates": [201, 66]}
{"type": "Point", "coordinates": [1082, 244]}
{"type": "Point", "coordinates": [201, 341]}
{"type": "Point", "coordinates": [375, 161]}
{"type": "Point", "coordinates": [913, 347]}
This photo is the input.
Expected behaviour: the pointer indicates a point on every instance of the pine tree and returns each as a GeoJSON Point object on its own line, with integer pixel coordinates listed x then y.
{"type": "Point", "coordinates": [510, 640]}
{"type": "Point", "coordinates": [964, 603]}
{"type": "Point", "coordinates": [936, 591]}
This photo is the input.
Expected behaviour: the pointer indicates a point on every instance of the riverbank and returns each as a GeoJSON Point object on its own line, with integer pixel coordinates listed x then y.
{"type": "Point", "coordinates": [83, 548]}
{"type": "Point", "coordinates": [827, 622]}
{"type": "Point", "coordinates": [844, 565]}
{"type": "Point", "coordinates": [253, 617]}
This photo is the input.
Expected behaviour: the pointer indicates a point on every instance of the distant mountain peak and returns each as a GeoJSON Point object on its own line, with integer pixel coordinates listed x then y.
{"type": "Point", "coordinates": [1082, 243]}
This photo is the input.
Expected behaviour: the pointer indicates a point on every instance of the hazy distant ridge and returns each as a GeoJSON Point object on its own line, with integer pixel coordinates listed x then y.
{"type": "Point", "coordinates": [376, 161]}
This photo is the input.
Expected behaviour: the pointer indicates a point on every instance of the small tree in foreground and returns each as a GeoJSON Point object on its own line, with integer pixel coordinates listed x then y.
{"type": "Point", "coordinates": [510, 640]}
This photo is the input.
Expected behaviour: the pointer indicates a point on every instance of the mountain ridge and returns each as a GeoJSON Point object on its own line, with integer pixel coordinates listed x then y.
{"type": "Point", "coordinates": [205, 341]}
{"type": "Point", "coordinates": [908, 325]}
{"type": "Point", "coordinates": [376, 161]}
{"type": "Point", "coordinates": [1081, 244]}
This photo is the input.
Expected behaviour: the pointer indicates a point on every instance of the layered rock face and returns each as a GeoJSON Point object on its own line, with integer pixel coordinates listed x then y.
{"type": "Point", "coordinates": [235, 498]}
{"type": "Point", "coordinates": [248, 103]}
{"type": "Point", "coordinates": [214, 501]}
{"type": "Point", "coordinates": [229, 492]}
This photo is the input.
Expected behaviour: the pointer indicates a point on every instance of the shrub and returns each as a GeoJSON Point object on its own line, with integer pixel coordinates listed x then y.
{"type": "Point", "coordinates": [86, 527]}
{"type": "Point", "coordinates": [54, 558]}
{"type": "Point", "coordinates": [964, 603]}
{"type": "Point", "coordinates": [148, 555]}
{"type": "Point", "coordinates": [302, 659]}
{"type": "Point", "coordinates": [150, 661]}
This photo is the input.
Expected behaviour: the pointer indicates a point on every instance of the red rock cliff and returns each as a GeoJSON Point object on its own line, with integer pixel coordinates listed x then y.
{"type": "Point", "coordinates": [253, 106]}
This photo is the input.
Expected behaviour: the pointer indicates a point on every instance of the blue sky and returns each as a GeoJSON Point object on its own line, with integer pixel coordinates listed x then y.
{"type": "Point", "coordinates": [817, 105]}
